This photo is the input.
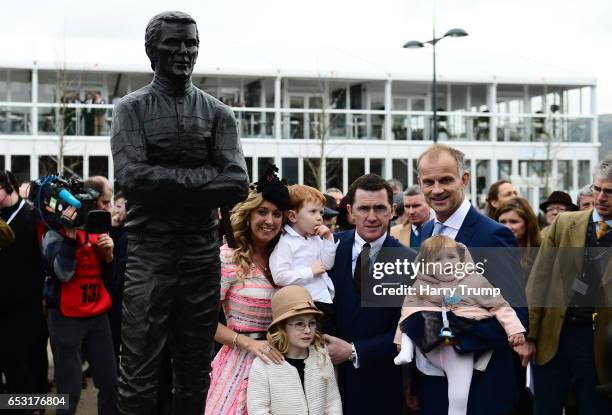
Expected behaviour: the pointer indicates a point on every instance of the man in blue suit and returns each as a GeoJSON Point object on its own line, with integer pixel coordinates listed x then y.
{"type": "Point", "coordinates": [369, 381]}
{"type": "Point", "coordinates": [443, 179]}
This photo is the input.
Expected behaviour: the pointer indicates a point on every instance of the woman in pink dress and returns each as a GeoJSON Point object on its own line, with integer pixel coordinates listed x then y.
{"type": "Point", "coordinates": [246, 293]}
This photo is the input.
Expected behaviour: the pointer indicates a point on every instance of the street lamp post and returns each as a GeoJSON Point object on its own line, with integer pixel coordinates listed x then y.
{"type": "Point", "coordinates": [414, 44]}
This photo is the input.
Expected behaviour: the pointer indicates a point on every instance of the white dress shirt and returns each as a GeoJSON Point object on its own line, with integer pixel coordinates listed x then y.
{"type": "Point", "coordinates": [451, 226]}
{"type": "Point", "coordinates": [291, 260]}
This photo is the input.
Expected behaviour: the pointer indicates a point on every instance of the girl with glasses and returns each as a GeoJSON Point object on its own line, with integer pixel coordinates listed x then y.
{"type": "Point", "coordinates": [304, 383]}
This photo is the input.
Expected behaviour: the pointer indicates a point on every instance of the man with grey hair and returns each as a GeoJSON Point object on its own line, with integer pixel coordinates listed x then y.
{"type": "Point", "coordinates": [585, 198]}
{"type": "Point", "coordinates": [416, 213]}
{"type": "Point", "coordinates": [177, 158]}
{"type": "Point", "coordinates": [396, 186]}
{"type": "Point", "coordinates": [569, 292]}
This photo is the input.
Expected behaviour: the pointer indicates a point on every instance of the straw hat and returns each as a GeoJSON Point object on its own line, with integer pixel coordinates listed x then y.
{"type": "Point", "coordinates": [291, 301]}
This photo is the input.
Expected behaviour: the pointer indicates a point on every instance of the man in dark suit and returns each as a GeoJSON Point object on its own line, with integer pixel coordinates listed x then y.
{"type": "Point", "coordinates": [443, 179]}
{"type": "Point", "coordinates": [369, 381]}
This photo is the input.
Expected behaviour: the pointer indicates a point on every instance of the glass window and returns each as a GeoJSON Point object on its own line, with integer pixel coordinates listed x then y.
{"type": "Point", "coordinates": [3, 85]}
{"type": "Point", "coordinates": [504, 169]}
{"type": "Point", "coordinates": [356, 169]}
{"type": "Point", "coordinates": [482, 181]}
{"type": "Point", "coordinates": [46, 92]}
{"type": "Point", "coordinates": [400, 171]}
{"type": "Point", "coordinates": [566, 173]}
{"type": "Point", "coordinates": [249, 164]}
{"type": "Point", "coordinates": [377, 166]}
{"type": "Point", "coordinates": [539, 169]}
{"type": "Point", "coordinates": [584, 173]}
{"type": "Point", "coordinates": [572, 101]}
{"type": "Point", "coordinates": [458, 97]}
{"type": "Point", "coordinates": [73, 167]}
{"type": "Point", "coordinates": [20, 167]}
{"type": "Point", "coordinates": [20, 86]}
{"type": "Point", "coordinates": [312, 172]}
{"type": "Point", "coordinates": [290, 170]}
{"type": "Point", "coordinates": [262, 165]}
{"type": "Point", "coordinates": [468, 167]}
{"type": "Point", "coordinates": [14, 120]}
{"type": "Point", "coordinates": [536, 98]}
{"type": "Point", "coordinates": [478, 98]}
{"type": "Point", "coordinates": [47, 165]}
{"type": "Point", "coordinates": [586, 100]}
{"type": "Point", "coordinates": [333, 174]}
{"type": "Point", "coordinates": [98, 166]}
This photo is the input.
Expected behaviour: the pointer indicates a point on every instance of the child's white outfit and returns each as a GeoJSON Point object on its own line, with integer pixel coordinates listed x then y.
{"type": "Point", "coordinates": [277, 389]}
{"type": "Point", "coordinates": [291, 260]}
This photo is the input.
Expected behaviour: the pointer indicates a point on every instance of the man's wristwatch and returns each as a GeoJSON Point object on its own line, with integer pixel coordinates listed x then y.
{"type": "Point", "coordinates": [353, 355]}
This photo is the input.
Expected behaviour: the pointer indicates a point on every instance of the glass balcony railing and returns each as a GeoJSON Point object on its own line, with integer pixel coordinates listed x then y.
{"type": "Point", "coordinates": [74, 119]}
{"type": "Point", "coordinates": [15, 120]}
{"type": "Point", "coordinates": [297, 123]}
{"type": "Point", "coordinates": [333, 124]}
{"type": "Point", "coordinates": [530, 128]}
{"type": "Point", "coordinates": [255, 123]}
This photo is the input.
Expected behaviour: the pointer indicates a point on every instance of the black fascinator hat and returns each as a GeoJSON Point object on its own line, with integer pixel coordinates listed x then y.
{"type": "Point", "coordinates": [272, 188]}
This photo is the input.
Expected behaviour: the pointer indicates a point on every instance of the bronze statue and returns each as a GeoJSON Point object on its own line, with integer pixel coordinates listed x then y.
{"type": "Point", "coordinates": [177, 158]}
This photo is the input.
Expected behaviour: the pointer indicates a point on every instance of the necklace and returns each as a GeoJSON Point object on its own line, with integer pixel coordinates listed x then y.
{"type": "Point", "coordinates": [265, 269]}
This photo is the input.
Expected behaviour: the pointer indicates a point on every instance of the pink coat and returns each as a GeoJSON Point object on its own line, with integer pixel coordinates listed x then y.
{"type": "Point", "coordinates": [471, 305]}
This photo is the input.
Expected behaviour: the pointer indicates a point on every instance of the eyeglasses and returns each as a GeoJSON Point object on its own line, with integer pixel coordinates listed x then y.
{"type": "Point", "coordinates": [301, 325]}
{"type": "Point", "coordinates": [556, 209]}
{"type": "Point", "coordinates": [597, 189]}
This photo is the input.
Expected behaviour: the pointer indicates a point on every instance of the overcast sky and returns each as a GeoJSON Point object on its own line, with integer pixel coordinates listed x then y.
{"type": "Point", "coordinates": [567, 33]}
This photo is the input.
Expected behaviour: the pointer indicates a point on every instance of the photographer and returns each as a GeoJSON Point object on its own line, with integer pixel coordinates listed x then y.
{"type": "Point", "coordinates": [78, 264]}
{"type": "Point", "coordinates": [21, 316]}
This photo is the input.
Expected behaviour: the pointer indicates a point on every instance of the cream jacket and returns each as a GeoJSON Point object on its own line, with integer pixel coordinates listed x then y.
{"type": "Point", "coordinates": [277, 390]}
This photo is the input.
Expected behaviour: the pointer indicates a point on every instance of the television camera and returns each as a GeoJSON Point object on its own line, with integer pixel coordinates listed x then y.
{"type": "Point", "coordinates": [53, 194]}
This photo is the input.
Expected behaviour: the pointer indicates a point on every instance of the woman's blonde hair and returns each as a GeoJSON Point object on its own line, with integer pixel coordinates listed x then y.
{"type": "Point", "coordinates": [279, 339]}
{"type": "Point", "coordinates": [243, 254]}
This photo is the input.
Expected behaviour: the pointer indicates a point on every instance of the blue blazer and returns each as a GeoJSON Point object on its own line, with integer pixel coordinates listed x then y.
{"type": "Point", "coordinates": [496, 390]}
{"type": "Point", "coordinates": [376, 387]}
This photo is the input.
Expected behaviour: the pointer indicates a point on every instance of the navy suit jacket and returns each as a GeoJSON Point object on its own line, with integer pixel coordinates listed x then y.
{"type": "Point", "coordinates": [376, 387]}
{"type": "Point", "coordinates": [496, 390]}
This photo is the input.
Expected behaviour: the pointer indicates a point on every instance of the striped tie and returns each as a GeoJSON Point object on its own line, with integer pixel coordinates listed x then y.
{"type": "Point", "coordinates": [603, 229]}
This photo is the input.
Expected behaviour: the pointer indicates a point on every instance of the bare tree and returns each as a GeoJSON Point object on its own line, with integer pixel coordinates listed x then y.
{"type": "Point", "coordinates": [321, 129]}
{"type": "Point", "coordinates": [67, 86]}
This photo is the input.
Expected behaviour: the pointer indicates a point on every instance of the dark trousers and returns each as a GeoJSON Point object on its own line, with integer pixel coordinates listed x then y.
{"type": "Point", "coordinates": [17, 332]}
{"type": "Point", "coordinates": [574, 361]}
{"type": "Point", "coordinates": [171, 297]}
{"type": "Point", "coordinates": [69, 336]}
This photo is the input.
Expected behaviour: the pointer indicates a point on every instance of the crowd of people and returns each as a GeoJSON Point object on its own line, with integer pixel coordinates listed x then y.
{"type": "Point", "coordinates": [313, 346]}
{"type": "Point", "coordinates": [79, 121]}
{"type": "Point", "coordinates": [300, 328]}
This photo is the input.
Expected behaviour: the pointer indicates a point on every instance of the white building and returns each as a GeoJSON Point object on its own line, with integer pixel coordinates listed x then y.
{"type": "Point", "coordinates": [513, 119]}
